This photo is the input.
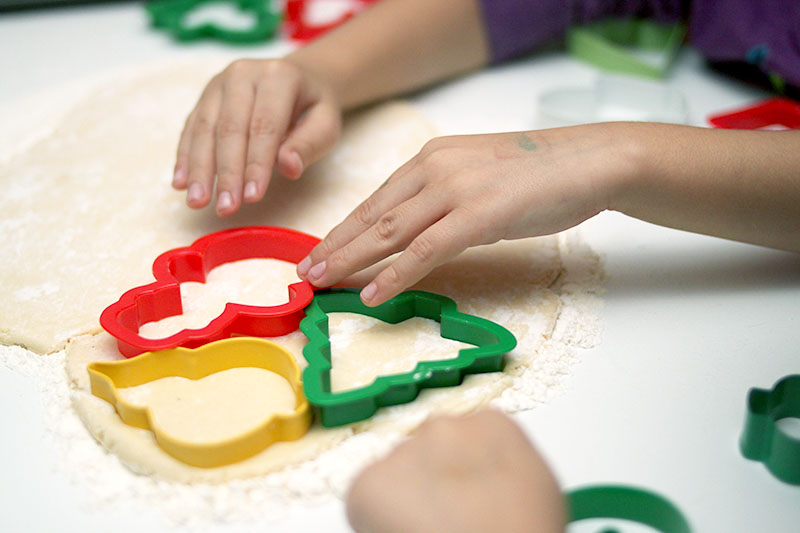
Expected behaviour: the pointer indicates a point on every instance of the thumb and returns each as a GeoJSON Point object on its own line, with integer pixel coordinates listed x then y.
{"type": "Point", "coordinates": [311, 138]}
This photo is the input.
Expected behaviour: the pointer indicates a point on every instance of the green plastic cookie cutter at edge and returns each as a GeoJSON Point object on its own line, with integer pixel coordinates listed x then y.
{"type": "Point", "coordinates": [626, 503]}
{"type": "Point", "coordinates": [762, 439]}
{"type": "Point", "coordinates": [171, 16]}
{"type": "Point", "coordinates": [491, 342]}
{"type": "Point", "coordinates": [609, 44]}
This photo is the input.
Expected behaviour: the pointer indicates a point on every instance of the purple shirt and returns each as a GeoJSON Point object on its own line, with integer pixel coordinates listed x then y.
{"type": "Point", "coordinates": [765, 33]}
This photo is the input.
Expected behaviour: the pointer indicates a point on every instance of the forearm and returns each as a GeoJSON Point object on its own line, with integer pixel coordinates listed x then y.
{"type": "Point", "coordinates": [397, 46]}
{"type": "Point", "coordinates": [739, 185]}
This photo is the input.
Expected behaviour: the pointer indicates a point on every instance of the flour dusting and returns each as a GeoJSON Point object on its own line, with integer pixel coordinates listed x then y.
{"type": "Point", "coordinates": [105, 482]}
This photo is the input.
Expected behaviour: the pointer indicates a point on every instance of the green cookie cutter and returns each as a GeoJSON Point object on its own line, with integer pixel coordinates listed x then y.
{"type": "Point", "coordinates": [491, 342]}
{"type": "Point", "coordinates": [762, 440]}
{"type": "Point", "coordinates": [610, 44]}
{"type": "Point", "coordinates": [626, 503]}
{"type": "Point", "coordinates": [171, 16]}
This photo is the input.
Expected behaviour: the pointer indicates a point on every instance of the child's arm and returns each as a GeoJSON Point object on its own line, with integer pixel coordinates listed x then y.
{"type": "Point", "coordinates": [465, 191]}
{"type": "Point", "coordinates": [257, 114]}
{"type": "Point", "coordinates": [478, 473]}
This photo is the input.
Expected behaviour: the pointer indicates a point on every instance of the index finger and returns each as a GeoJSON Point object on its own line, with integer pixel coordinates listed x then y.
{"type": "Point", "coordinates": [401, 186]}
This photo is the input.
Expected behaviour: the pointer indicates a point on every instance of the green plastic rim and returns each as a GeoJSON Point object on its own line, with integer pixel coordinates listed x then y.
{"type": "Point", "coordinates": [626, 503]}
{"type": "Point", "coordinates": [491, 342]}
{"type": "Point", "coordinates": [763, 440]}
{"type": "Point", "coordinates": [170, 15]}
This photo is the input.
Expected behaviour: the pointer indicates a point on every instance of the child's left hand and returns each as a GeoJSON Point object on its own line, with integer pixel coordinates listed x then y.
{"type": "Point", "coordinates": [478, 473]}
{"type": "Point", "coordinates": [470, 190]}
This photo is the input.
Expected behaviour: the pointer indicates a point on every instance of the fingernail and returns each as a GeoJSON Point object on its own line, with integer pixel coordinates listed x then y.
{"type": "Point", "coordinates": [297, 163]}
{"type": "Point", "coordinates": [224, 201]}
{"type": "Point", "coordinates": [368, 292]}
{"type": "Point", "coordinates": [303, 266]}
{"type": "Point", "coordinates": [195, 193]}
{"type": "Point", "coordinates": [251, 190]}
{"type": "Point", "coordinates": [317, 271]}
{"type": "Point", "coordinates": [178, 176]}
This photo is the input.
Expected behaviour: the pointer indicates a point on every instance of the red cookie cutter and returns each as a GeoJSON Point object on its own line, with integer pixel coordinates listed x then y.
{"type": "Point", "coordinates": [775, 113]}
{"type": "Point", "coordinates": [298, 27]}
{"type": "Point", "coordinates": [162, 298]}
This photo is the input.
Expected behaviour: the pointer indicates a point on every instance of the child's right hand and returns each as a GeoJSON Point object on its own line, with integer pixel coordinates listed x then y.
{"type": "Point", "coordinates": [254, 116]}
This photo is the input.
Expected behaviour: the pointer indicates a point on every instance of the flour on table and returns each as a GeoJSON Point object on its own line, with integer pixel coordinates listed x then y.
{"type": "Point", "coordinates": [87, 209]}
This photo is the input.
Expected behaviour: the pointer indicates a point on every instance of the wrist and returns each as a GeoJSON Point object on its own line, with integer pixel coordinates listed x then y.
{"type": "Point", "coordinates": [329, 70]}
{"type": "Point", "coordinates": [631, 160]}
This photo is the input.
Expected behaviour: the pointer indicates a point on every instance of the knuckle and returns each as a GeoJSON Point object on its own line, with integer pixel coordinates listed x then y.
{"type": "Point", "coordinates": [204, 124]}
{"type": "Point", "coordinates": [422, 249]}
{"type": "Point", "coordinates": [363, 213]}
{"type": "Point", "coordinates": [238, 67]}
{"type": "Point", "coordinates": [432, 145]}
{"type": "Point", "coordinates": [228, 128]}
{"type": "Point", "coordinates": [274, 67]}
{"type": "Point", "coordinates": [277, 68]}
{"type": "Point", "coordinates": [387, 226]}
{"type": "Point", "coordinates": [262, 126]}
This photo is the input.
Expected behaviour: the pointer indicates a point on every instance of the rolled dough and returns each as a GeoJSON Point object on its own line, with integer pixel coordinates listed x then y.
{"type": "Point", "coordinates": [88, 207]}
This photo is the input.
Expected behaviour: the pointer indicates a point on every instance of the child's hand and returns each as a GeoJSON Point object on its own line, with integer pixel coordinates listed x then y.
{"type": "Point", "coordinates": [478, 473]}
{"type": "Point", "coordinates": [470, 190]}
{"type": "Point", "coordinates": [251, 117]}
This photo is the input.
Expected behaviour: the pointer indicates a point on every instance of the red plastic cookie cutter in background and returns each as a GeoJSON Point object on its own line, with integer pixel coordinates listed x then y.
{"type": "Point", "coordinates": [301, 29]}
{"type": "Point", "coordinates": [772, 114]}
{"type": "Point", "coordinates": [162, 298]}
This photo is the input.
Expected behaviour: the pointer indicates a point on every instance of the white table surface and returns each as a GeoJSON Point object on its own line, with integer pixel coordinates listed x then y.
{"type": "Point", "coordinates": [691, 322]}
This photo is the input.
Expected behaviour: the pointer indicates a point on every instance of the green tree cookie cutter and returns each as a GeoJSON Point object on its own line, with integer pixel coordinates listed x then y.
{"type": "Point", "coordinates": [609, 44]}
{"type": "Point", "coordinates": [626, 503]}
{"type": "Point", "coordinates": [762, 440]}
{"type": "Point", "coordinates": [491, 342]}
{"type": "Point", "coordinates": [172, 15]}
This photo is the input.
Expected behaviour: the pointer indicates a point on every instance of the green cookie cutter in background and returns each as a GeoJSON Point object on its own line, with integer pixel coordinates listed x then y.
{"type": "Point", "coordinates": [762, 440]}
{"type": "Point", "coordinates": [491, 341]}
{"type": "Point", "coordinates": [172, 16]}
{"type": "Point", "coordinates": [612, 44]}
{"type": "Point", "coordinates": [626, 503]}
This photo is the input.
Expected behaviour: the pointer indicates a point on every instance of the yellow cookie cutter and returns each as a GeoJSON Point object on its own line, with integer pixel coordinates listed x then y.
{"type": "Point", "coordinates": [236, 352]}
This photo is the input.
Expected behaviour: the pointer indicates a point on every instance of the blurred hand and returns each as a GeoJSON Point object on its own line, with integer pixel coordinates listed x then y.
{"type": "Point", "coordinates": [253, 116]}
{"type": "Point", "coordinates": [470, 190]}
{"type": "Point", "coordinates": [479, 473]}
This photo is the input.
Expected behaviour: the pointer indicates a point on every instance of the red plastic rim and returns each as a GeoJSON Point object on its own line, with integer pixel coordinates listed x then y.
{"type": "Point", "coordinates": [162, 298]}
